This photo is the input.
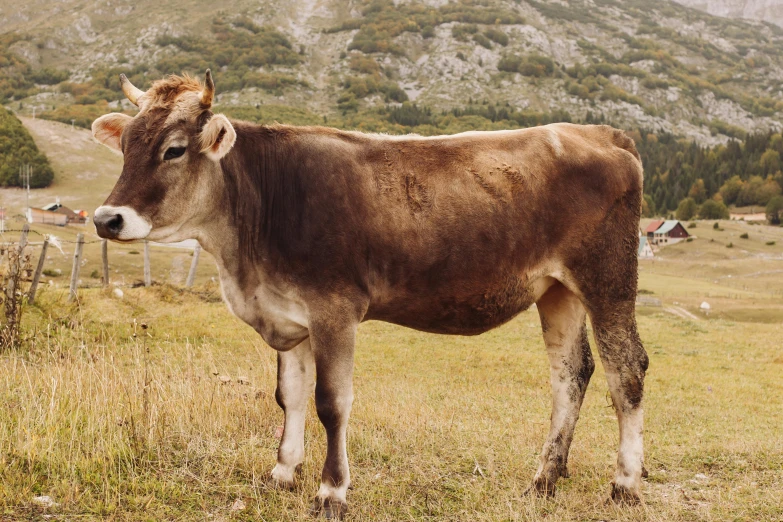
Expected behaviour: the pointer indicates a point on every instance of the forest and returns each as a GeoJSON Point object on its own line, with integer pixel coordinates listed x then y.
{"type": "Point", "coordinates": [742, 172]}
{"type": "Point", "coordinates": [17, 148]}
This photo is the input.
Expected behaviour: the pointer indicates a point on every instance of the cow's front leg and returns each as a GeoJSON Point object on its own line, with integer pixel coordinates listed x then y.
{"type": "Point", "coordinates": [295, 382]}
{"type": "Point", "coordinates": [571, 365]}
{"type": "Point", "coordinates": [333, 350]}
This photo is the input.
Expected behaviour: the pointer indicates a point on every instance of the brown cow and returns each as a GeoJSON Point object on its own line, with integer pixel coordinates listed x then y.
{"type": "Point", "coordinates": [315, 230]}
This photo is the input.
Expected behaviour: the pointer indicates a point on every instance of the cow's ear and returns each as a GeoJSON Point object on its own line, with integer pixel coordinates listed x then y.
{"type": "Point", "coordinates": [108, 128]}
{"type": "Point", "coordinates": [217, 137]}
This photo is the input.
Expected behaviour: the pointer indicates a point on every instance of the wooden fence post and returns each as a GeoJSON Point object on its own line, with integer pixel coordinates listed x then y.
{"type": "Point", "coordinates": [147, 275]}
{"type": "Point", "coordinates": [193, 266]}
{"type": "Point", "coordinates": [105, 258]}
{"type": "Point", "coordinates": [38, 270]}
{"type": "Point", "coordinates": [77, 258]}
{"type": "Point", "coordinates": [13, 273]}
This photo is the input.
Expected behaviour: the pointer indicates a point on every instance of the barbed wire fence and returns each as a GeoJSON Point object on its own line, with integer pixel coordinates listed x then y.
{"type": "Point", "coordinates": [7, 247]}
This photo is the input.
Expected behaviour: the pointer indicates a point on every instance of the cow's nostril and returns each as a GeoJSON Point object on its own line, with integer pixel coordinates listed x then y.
{"type": "Point", "coordinates": [115, 224]}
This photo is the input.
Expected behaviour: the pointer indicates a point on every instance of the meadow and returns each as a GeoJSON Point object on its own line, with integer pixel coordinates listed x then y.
{"type": "Point", "coordinates": [160, 406]}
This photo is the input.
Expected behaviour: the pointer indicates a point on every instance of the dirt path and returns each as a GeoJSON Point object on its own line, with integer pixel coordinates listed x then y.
{"type": "Point", "coordinates": [681, 312]}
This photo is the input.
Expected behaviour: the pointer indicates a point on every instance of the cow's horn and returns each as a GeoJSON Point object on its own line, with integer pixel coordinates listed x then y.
{"type": "Point", "coordinates": [209, 90]}
{"type": "Point", "coordinates": [132, 92]}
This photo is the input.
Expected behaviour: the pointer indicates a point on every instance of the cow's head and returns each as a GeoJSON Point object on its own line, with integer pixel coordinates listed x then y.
{"type": "Point", "coordinates": [172, 150]}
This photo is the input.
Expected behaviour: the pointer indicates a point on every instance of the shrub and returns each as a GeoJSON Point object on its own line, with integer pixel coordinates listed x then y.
{"type": "Point", "coordinates": [712, 209]}
{"type": "Point", "coordinates": [52, 272]}
{"type": "Point", "coordinates": [774, 210]}
{"type": "Point", "coordinates": [686, 210]}
{"type": "Point", "coordinates": [744, 235]}
{"type": "Point", "coordinates": [461, 31]}
{"type": "Point", "coordinates": [347, 102]}
{"type": "Point", "coordinates": [364, 64]}
{"type": "Point", "coordinates": [482, 40]}
{"type": "Point", "coordinates": [48, 76]}
{"type": "Point", "coordinates": [770, 243]}
{"type": "Point", "coordinates": [692, 225]}
{"type": "Point", "coordinates": [716, 226]}
{"type": "Point", "coordinates": [497, 36]}
{"type": "Point", "coordinates": [510, 63]}
{"type": "Point", "coordinates": [730, 245]}
{"type": "Point", "coordinates": [689, 240]}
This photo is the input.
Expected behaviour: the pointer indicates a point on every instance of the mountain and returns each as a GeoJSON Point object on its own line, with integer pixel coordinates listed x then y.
{"type": "Point", "coordinates": [759, 10]}
{"type": "Point", "coordinates": [655, 65]}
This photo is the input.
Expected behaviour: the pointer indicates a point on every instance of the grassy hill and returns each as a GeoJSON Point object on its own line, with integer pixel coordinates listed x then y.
{"type": "Point", "coordinates": [86, 171]}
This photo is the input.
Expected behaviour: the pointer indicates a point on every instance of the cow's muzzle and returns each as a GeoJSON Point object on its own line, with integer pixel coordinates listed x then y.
{"type": "Point", "coordinates": [120, 223]}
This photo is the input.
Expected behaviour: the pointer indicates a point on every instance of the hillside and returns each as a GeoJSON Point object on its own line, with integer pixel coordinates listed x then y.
{"type": "Point", "coordinates": [85, 170]}
{"type": "Point", "coordinates": [660, 66]}
{"type": "Point", "coordinates": [760, 10]}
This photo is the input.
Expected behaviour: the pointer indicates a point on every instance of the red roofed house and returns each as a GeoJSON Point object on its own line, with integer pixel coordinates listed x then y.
{"type": "Point", "coordinates": [652, 227]}
{"type": "Point", "coordinates": [666, 232]}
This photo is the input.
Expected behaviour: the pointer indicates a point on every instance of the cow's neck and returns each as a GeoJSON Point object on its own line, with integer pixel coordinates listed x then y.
{"type": "Point", "coordinates": [253, 291]}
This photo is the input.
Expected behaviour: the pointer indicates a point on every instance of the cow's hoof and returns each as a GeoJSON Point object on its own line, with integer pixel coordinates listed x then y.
{"type": "Point", "coordinates": [625, 496]}
{"type": "Point", "coordinates": [541, 488]}
{"type": "Point", "coordinates": [645, 474]}
{"type": "Point", "coordinates": [329, 509]}
{"type": "Point", "coordinates": [564, 472]}
{"type": "Point", "coordinates": [282, 477]}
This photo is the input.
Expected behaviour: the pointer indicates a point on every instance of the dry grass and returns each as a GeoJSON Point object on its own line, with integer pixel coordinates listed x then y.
{"type": "Point", "coordinates": [122, 427]}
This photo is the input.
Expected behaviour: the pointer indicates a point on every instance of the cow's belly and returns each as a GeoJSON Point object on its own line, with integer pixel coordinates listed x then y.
{"type": "Point", "coordinates": [465, 311]}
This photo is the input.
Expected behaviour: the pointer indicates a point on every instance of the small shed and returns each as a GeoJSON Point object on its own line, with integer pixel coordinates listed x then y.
{"type": "Point", "coordinates": [669, 232]}
{"type": "Point", "coordinates": [71, 217]}
{"type": "Point", "coordinates": [645, 250]}
{"type": "Point", "coordinates": [40, 215]}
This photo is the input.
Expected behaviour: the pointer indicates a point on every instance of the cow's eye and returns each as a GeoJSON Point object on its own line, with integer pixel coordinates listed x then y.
{"type": "Point", "coordinates": [173, 152]}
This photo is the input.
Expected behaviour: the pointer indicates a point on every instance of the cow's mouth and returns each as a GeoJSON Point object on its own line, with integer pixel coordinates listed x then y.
{"type": "Point", "coordinates": [120, 224]}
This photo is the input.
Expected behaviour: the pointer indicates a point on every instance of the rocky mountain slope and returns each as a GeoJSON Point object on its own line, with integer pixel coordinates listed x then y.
{"type": "Point", "coordinates": [659, 66]}
{"type": "Point", "coordinates": [759, 10]}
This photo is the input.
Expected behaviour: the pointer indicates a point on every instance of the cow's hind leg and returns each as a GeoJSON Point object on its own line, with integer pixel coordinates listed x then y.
{"type": "Point", "coordinates": [571, 365]}
{"type": "Point", "coordinates": [625, 362]}
{"type": "Point", "coordinates": [295, 383]}
{"type": "Point", "coordinates": [606, 276]}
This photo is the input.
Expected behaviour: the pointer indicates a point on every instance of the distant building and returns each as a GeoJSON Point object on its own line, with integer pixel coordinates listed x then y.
{"type": "Point", "coordinates": [645, 250]}
{"type": "Point", "coordinates": [667, 232]}
{"type": "Point", "coordinates": [652, 227]}
{"type": "Point", "coordinates": [47, 217]}
{"type": "Point", "coordinates": [71, 217]}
